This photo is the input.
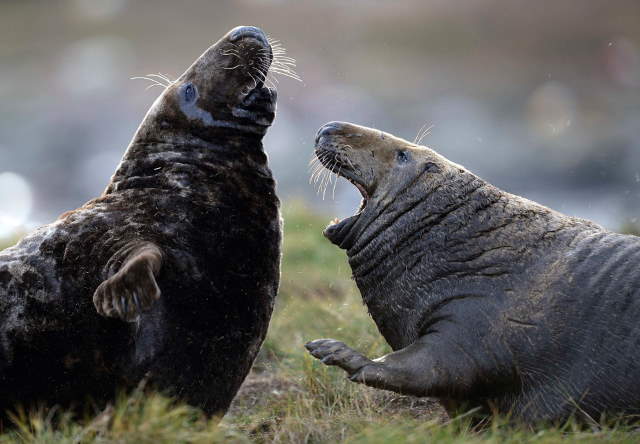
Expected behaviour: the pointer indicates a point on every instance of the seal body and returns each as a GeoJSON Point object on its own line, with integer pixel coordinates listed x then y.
{"type": "Point", "coordinates": [486, 298]}
{"type": "Point", "coordinates": [170, 276]}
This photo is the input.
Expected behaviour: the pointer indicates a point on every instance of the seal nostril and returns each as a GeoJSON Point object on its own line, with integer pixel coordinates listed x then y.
{"type": "Point", "coordinates": [328, 129]}
{"type": "Point", "coordinates": [247, 31]}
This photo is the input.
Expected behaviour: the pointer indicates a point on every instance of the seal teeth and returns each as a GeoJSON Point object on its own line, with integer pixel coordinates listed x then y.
{"type": "Point", "coordinates": [335, 221]}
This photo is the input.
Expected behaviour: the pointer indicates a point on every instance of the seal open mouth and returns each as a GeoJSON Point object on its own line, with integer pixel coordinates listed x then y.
{"type": "Point", "coordinates": [336, 160]}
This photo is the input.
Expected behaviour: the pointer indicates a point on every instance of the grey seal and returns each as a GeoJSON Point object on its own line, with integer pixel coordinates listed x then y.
{"type": "Point", "coordinates": [170, 276]}
{"type": "Point", "coordinates": [487, 299]}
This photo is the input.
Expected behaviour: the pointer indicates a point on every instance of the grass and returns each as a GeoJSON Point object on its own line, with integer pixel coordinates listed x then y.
{"type": "Point", "coordinates": [290, 397]}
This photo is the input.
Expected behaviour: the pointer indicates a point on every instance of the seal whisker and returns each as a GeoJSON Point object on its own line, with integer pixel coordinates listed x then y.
{"type": "Point", "coordinates": [316, 170]}
{"type": "Point", "coordinates": [285, 61]}
{"type": "Point", "coordinates": [269, 83]}
{"type": "Point", "coordinates": [325, 174]}
{"type": "Point", "coordinates": [317, 165]}
{"type": "Point", "coordinates": [328, 177]}
{"type": "Point", "coordinates": [159, 81]}
{"type": "Point", "coordinates": [264, 65]}
{"type": "Point", "coordinates": [422, 133]}
{"type": "Point", "coordinates": [273, 77]}
{"type": "Point", "coordinates": [154, 82]}
{"type": "Point", "coordinates": [313, 160]}
{"type": "Point", "coordinates": [313, 166]}
{"type": "Point", "coordinates": [285, 58]}
{"type": "Point", "coordinates": [314, 177]}
{"type": "Point", "coordinates": [162, 77]}
{"type": "Point", "coordinates": [281, 64]}
{"type": "Point", "coordinates": [319, 171]}
{"type": "Point", "coordinates": [320, 178]}
{"type": "Point", "coordinates": [320, 168]}
{"type": "Point", "coordinates": [144, 78]}
{"type": "Point", "coordinates": [283, 68]}
{"type": "Point", "coordinates": [333, 197]}
{"type": "Point", "coordinates": [255, 82]}
{"type": "Point", "coordinates": [311, 179]}
{"type": "Point", "coordinates": [277, 60]}
{"type": "Point", "coordinates": [262, 76]}
{"type": "Point", "coordinates": [286, 74]}
{"type": "Point", "coordinates": [316, 186]}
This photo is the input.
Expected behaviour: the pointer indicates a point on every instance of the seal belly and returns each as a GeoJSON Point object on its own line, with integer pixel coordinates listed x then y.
{"type": "Point", "coordinates": [47, 330]}
{"type": "Point", "coordinates": [201, 338]}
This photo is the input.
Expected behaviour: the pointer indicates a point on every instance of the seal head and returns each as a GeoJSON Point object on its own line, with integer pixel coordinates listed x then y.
{"type": "Point", "coordinates": [223, 92]}
{"type": "Point", "coordinates": [381, 166]}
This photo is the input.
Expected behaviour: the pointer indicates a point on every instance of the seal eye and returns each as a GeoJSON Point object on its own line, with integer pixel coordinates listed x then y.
{"type": "Point", "coordinates": [189, 92]}
{"type": "Point", "coordinates": [403, 157]}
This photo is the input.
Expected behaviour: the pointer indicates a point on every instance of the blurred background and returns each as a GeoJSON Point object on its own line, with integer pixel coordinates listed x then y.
{"type": "Point", "coordinates": [541, 99]}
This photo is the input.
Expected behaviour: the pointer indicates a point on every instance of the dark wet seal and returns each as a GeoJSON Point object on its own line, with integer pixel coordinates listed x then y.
{"type": "Point", "coordinates": [184, 245]}
{"type": "Point", "coordinates": [486, 298]}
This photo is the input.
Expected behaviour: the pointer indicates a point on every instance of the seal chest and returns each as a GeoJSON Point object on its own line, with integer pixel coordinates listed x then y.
{"type": "Point", "coordinates": [487, 299]}
{"type": "Point", "coordinates": [171, 274]}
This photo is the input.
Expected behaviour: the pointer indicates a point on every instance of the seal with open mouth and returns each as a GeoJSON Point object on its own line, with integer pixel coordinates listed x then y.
{"type": "Point", "coordinates": [486, 298]}
{"type": "Point", "coordinates": [171, 274]}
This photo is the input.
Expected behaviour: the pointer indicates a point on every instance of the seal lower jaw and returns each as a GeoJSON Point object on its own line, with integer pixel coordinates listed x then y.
{"type": "Point", "coordinates": [337, 229]}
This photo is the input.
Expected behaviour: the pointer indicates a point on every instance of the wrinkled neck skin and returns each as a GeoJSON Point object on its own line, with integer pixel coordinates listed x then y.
{"type": "Point", "coordinates": [434, 239]}
{"type": "Point", "coordinates": [186, 149]}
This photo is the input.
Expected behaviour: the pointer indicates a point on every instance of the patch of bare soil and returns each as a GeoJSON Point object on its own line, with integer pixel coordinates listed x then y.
{"type": "Point", "coordinates": [262, 387]}
{"type": "Point", "coordinates": [258, 389]}
{"type": "Point", "coordinates": [419, 408]}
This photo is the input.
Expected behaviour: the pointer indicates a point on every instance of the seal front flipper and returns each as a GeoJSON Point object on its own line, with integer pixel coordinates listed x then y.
{"type": "Point", "coordinates": [358, 367]}
{"type": "Point", "coordinates": [424, 368]}
{"type": "Point", "coordinates": [131, 288]}
{"type": "Point", "coordinates": [332, 352]}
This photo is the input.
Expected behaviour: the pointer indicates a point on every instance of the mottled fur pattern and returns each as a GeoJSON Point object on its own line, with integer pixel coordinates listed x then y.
{"type": "Point", "coordinates": [201, 193]}
{"type": "Point", "coordinates": [486, 298]}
